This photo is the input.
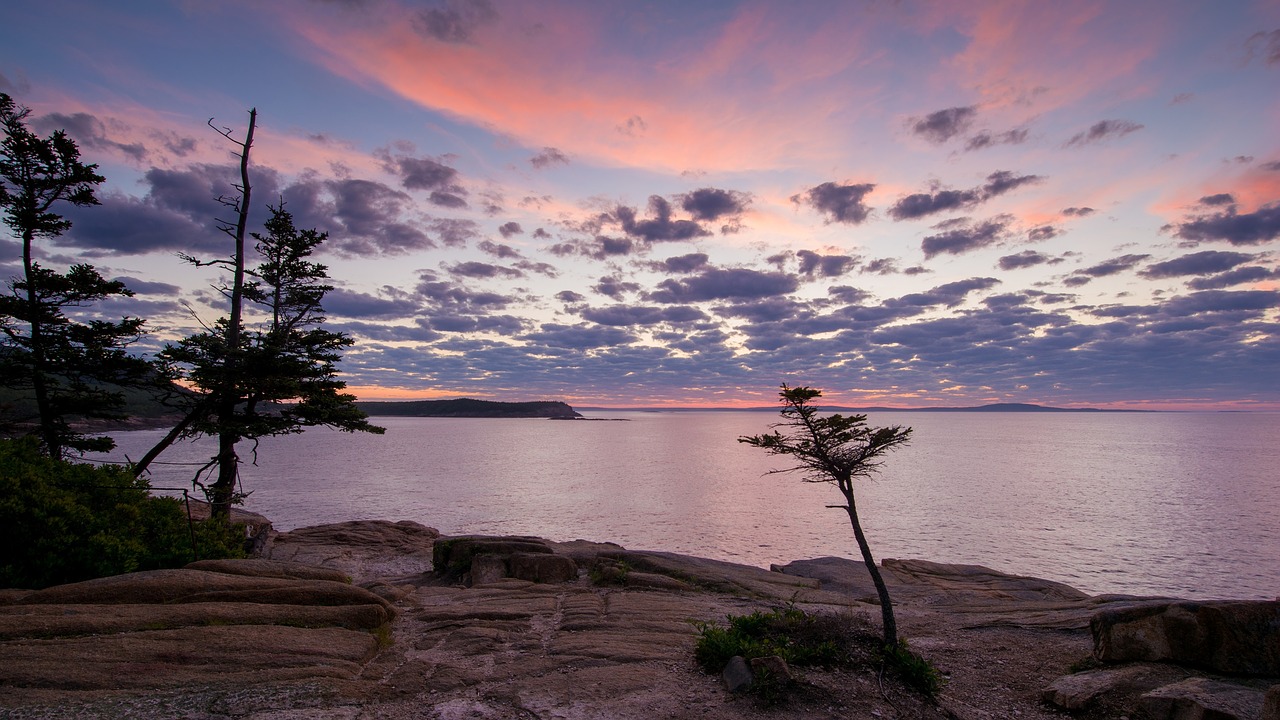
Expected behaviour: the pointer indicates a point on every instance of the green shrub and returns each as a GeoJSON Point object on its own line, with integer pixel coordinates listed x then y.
{"type": "Point", "coordinates": [795, 636]}
{"type": "Point", "coordinates": [64, 522]}
{"type": "Point", "coordinates": [803, 639]}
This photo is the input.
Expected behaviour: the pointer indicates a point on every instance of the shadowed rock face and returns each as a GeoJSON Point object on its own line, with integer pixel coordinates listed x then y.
{"type": "Point", "coordinates": [1238, 638]}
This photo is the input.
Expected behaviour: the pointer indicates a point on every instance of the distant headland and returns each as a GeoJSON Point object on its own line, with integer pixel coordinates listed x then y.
{"type": "Point", "coordinates": [469, 408]}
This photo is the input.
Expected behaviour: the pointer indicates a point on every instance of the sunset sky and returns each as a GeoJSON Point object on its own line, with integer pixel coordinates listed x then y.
{"type": "Point", "coordinates": [687, 203]}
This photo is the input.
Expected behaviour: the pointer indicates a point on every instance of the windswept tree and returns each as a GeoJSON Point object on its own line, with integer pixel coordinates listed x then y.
{"type": "Point", "coordinates": [836, 449]}
{"type": "Point", "coordinates": [268, 367]}
{"type": "Point", "coordinates": [67, 368]}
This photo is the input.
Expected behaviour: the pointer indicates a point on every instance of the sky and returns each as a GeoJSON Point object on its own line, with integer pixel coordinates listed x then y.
{"type": "Point", "coordinates": [630, 204]}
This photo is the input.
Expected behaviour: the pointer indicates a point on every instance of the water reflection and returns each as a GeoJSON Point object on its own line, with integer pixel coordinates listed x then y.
{"type": "Point", "coordinates": [1181, 504]}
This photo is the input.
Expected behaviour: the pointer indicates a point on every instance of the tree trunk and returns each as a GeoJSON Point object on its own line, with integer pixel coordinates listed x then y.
{"type": "Point", "coordinates": [223, 489]}
{"type": "Point", "coordinates": [49, 434]}
{"type": "Point", "coordinates": [141, 466]}
{"type": "Point", "coordinates": [886, 605]}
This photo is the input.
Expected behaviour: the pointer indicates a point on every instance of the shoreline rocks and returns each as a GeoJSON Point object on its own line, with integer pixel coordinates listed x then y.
{"type": "Point", "coordinates": [353, 619]}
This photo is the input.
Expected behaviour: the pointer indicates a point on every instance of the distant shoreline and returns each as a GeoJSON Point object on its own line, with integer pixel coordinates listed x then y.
{"type": "Point", "coordinates": [996, 407]}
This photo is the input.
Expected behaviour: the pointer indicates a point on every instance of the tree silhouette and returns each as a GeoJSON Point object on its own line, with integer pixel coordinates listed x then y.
{"type": "Point", "coordinates": [274, 374]}
{"type": "Point", "coordinates": [835, 449]}
{"type": "Point", "coordinates": [70, 369]}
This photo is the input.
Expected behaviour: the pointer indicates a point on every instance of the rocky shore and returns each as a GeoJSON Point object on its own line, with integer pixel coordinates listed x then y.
{"type": "Point", "coordinates": [377, 619]}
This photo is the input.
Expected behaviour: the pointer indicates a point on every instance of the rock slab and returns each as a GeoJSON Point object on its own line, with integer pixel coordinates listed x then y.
{"type": "Point", "coordinates": [1203, 699]}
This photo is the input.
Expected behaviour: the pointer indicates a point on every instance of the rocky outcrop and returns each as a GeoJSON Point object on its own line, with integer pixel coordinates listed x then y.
{"type": "Point", "coordinates": [364, 550]}
{"type": "Point", "coordinates": [480, 560]}
{"type": "Point", "coordinates": [1155, 647]}
{"type": "Point", "coordinates": [229, 621]}
{"type": "Point", "coordinates": [1237, 638]}
{"type": "Point", "coordinates": [614, 639]}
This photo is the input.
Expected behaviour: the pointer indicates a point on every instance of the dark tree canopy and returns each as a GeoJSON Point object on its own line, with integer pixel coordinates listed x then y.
{"type": "Point", "coordinates": [835, 449]}
{"type": "Point", "coordinates": [65, 368]}
{"type": "Point", "coordinates": [277, 374]}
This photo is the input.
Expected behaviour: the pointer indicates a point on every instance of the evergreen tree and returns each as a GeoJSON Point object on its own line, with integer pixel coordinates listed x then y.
{"type": "Point", "coordinates": [68, 369]}
{"type": "Point", "coordinates": [835, 449]}
{"type": "Point", "coordinates": [276, 377]}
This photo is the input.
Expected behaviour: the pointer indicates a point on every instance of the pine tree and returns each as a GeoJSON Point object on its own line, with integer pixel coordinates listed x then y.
{"type": "Point", "coordinates": [68, 369]}
{"type": "Point", "coordinates": [275, 377]}
{"type": "Point", "coordinates": [835, 449]}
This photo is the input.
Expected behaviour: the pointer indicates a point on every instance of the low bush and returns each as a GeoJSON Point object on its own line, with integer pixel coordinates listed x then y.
{"type": "Point", "coordinates": [813, 640]}
{"type": "Point", "coordinates": [792, 634]}
{"type": "Point", "coordinates": [63, 522]}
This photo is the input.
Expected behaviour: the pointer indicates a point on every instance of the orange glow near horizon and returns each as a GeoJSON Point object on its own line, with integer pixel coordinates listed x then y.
{"type": "Point", "coordinates": [745, 400]}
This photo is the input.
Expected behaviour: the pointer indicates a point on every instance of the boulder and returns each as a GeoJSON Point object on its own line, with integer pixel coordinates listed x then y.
{"type": "Point", "coordinates": [774, 667]}
{"type": "Point", "coordinates": [451, 557]}
{"type": "Point", "coordinates": [737, 675]}
{"type": "Point", "coordinates": [1233, 637]}
{"type": "Point", "coordinates": [542, 568]}
{"type": "Point", "coordinates": [1203, 699]}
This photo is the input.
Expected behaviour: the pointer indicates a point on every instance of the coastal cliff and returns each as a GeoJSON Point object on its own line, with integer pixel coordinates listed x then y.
{"type": "Point", "coordinates": [469, 408]}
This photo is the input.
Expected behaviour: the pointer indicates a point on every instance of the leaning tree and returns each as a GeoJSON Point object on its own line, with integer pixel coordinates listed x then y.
{"type": "Point", "coordinates": [836, 449]}
{"type": "Point", "coordinates": [69, 367]}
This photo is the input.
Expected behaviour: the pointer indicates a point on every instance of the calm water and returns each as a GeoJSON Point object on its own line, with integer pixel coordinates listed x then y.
{"type": "Point", "coordinates": [1183, 504]}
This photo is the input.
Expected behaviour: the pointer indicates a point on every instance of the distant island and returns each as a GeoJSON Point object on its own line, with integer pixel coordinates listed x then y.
{"type": "Point", "coordinates": [995, 407]}
{"type": "Point", "coordinates": [469, 408]}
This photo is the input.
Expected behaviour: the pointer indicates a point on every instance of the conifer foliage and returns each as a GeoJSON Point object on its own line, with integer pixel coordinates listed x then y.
{"type": "Point", "coordinates": [68, 367]}
{"type": "Point", "coordinates": [268, 367]}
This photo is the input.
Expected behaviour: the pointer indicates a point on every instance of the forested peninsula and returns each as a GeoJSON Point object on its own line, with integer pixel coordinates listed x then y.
{"type": "Point", "coordinates": [469, 408]}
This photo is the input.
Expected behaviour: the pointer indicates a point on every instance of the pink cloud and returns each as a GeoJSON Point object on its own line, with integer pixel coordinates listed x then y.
{"type": "Point", "coordinates": [752, 95]}
{"type": "Point", "coordinates": [1042, 56]}
{"type": "Point", "coordinates": [136, 135]}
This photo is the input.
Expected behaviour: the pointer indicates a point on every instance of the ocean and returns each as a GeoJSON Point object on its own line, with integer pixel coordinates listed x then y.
{"type": "Point", "coordinates": [1177, 504]}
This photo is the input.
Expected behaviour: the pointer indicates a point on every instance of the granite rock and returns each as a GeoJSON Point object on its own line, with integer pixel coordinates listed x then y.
{"type": "Point", "coordinates": [1200, 698]}
{"type": "Point", "coordinates": [1233, 637]}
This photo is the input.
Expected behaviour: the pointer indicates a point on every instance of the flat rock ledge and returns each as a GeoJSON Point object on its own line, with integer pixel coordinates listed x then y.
{"type": "Point", "coordinates": [377, 619]}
